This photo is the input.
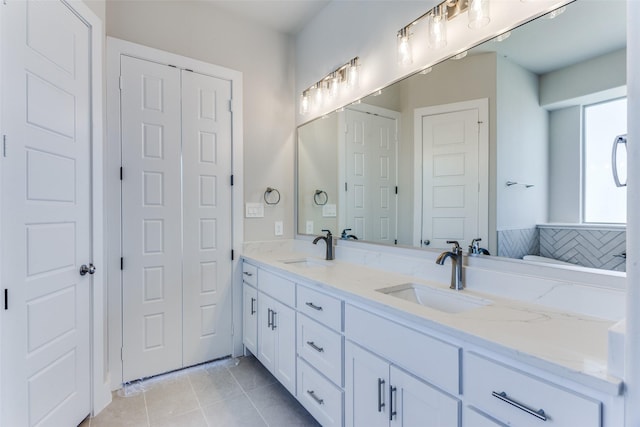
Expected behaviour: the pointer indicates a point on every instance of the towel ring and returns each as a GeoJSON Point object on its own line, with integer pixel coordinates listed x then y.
{"type": "Point", "coordinates": [318, 196]}
{"type": "Point", "coordinates": [268, 192]}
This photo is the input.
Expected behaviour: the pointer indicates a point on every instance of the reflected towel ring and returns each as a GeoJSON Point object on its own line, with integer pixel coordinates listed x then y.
{"type": "Point", "coordinates": [317, 197]}
{"type": "Point", "coordinates": [268, 192]}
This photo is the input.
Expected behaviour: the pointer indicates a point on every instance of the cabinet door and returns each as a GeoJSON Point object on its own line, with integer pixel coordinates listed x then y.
{"type": "Point", "coordinates": [366, 388]}
{"type": "Point", "coordinates": [413, 403]}
{"type": "Point", "coordinates": [284, 324]}
{"type": "Point", "coordinates": [250, 318]}
{"type": "Point", "coordinates": [266, 335]}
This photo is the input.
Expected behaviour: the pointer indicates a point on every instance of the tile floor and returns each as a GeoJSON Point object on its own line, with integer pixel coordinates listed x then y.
{"type": "Point", "coordinates": [229, 393]}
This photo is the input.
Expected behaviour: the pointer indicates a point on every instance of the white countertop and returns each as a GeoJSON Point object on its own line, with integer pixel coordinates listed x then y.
{"type": "Point", "coordinates": [569, 345]}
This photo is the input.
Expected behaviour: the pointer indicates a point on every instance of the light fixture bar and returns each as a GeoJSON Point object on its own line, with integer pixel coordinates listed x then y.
{"type": "Point", "coordinates": [345, 75]}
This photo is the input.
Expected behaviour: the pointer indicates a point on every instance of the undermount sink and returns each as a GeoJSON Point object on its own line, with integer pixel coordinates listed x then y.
{"type": "Point", "coordinates": [448, 301]}
{"type": "Point", "coordinates": [306, 262]}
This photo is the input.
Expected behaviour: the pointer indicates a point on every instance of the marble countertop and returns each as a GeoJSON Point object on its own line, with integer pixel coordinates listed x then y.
{"type": "Point", "coordinates": [569, 345]}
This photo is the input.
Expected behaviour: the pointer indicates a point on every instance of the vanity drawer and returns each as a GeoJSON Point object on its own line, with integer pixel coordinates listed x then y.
{"type": "Point", "coordinates": [431, 359]}
{"type": "Point", "coordinates": [321, 307]}
{"type": "Point", "coordinates": [249, 273]}
{"type": "Point", "coordinates": [277, 287]}
{"type": "Point", "coordinates": [321, 348]}
{"type": "Point", "coordinates": [319, 396]}
{"type": "Point", "coordinates": [517, 398]}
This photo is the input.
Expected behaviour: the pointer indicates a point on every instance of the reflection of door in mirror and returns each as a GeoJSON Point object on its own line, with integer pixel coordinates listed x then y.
{"type": "Point", "coordinates": [452, 174]}
{"type": "Point", "coordinates": [371, 144]}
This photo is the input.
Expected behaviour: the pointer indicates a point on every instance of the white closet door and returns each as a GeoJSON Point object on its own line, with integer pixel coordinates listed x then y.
{"type": "Point", "coordinates": [151, 223]}
{"type": "Point", "coordinates": [46, 228]}
{"type": "Point", "coordinates": [206, 142]}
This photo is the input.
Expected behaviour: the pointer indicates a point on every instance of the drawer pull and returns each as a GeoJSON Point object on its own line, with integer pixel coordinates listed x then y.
{"type": "Point", "coordinates": [246, 273]}
{"type": "Point", "coordinates": [503, 396]}
{"type": "Point", "coordinates": [273, 320]}
{"type": "Point", "coordinates": [315, 307]}
{"type": "Point", "coordinates": [380, 388]}
{"type": "Point", "coordinates": [253, 309]}
{"type": "Point", "coordinates": [315, 347]}
{"type": "Point", "coordinates": [314, 397]}
{"type": "Point", "coordinates": [392, 413]}
{"type": "Point", "coordinates": [269, 318]}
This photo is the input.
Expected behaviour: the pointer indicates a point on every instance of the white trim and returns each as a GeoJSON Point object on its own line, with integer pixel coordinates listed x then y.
{"type": "Point", "coordinates": [482, 105]}
{"type": "Point", "coordinates": [116, 48]}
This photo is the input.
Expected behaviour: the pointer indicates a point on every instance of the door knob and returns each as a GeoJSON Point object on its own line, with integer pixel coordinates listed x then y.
{"type": "Point", "coordinates": [84, 269]}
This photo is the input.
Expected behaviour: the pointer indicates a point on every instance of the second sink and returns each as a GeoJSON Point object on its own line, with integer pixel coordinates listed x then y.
{"type": "Point", "coordinates": [442, 300]}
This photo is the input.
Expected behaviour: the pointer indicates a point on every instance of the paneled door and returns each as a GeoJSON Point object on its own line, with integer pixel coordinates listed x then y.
{"type": "Point", "coordinates": [371, 176]}
{"type": "Point", "coordinates": [451, 177]}
{"type": "Point", "coordinates": [206, 272]}
{"type": "Point", "coordinates": [46, 208]}
{"type": "Point", "coordinates": [151, 218]}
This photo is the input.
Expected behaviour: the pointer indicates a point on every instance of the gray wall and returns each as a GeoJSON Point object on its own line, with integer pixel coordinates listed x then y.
{"type": "Point", "coordinates": [200, 30]}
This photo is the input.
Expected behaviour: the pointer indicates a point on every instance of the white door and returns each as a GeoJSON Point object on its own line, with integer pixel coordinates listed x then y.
{"type": "Point", "coordinates": [451, 178]}
{"type": "Point", "coordinates": [151, 219]}
{"type": "Point", "coordinates": [416, 403]}
{"type": "Point", "coordinates": [46, 228]}
{"type": "Point", "coordinates": [206, 276]}
{"type": "Point", "coordinates": [366, 388]}
{"type": "Point", "coordinates": [371, 159]}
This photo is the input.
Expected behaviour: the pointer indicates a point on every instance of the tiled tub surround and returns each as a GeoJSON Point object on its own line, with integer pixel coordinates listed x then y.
{"type": "Point", "coordinates": [586, 246]}
{"type": "Point", "coordinates": [557, 325]}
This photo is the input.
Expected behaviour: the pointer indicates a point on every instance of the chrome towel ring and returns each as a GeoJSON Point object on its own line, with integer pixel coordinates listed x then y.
{"type": "Point", "coordinates": [319, 199]}
{"type": "Point", "coordinates": [270, 200]}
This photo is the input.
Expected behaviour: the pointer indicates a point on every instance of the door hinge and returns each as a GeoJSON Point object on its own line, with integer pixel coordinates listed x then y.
{"type": "Point", "coordinates": [396, 189]}
{"type": "Point", "coordinates": [345, 186]}
{"type": "Point", "coordinates": [232, 329]}
{"type": "Point", "coordinates": [232, 180]}
{"type": "Point", "coordinates": [395, 242]}
{"type": "Point", "coordinates": [120, 82]}
{"type": "Point", "coordinates": [120, 173]}
{"type": "Point", "coordinates": [231, 105]}
{"type": "Point", "coordinates": [121, 354]}
{"type": "Point", "coordinates": [233, 255]}
{"type": "Point", "coordinates": [4, 145]}
{"type": "Point", "coordinates": [6, 299]}
{"type": "Point", "coordinates": [121, 263]}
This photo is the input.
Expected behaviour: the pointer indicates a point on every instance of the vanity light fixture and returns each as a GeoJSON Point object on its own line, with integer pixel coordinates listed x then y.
{"type": "Point", "coordinates": [437, 23]}
{"type": "Point", "coordinates": [405, 56]}
{"type": "Point", "coordinates": [345, 76]}
{"type": "Point", "coordinates": [478, 13]}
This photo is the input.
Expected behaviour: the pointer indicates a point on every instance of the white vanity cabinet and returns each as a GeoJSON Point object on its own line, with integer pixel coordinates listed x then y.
{"type": "Point", "coordinates": [276, 348]}
{"type": "Point", "coordinates": [380, 394]}
{"type": "Point", "coordinates": [517, 398]}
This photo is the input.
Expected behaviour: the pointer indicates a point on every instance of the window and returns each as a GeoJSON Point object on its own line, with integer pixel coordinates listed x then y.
{"type": "Point", "coordinates": [603, 201]}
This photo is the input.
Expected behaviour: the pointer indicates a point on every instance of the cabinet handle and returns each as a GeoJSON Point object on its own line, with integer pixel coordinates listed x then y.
{"type": "Point", "coordinates": [315, 347]}
{"type": "Point", "coordinates": [246, 273]}
{"type": "Point", "coordinates": [316, 398]}
{"type": "Point", "coordinates": [380, 389]}
{"type": "Point", "coordinates": [503, 396]}
{"type": "Point", "coordinates": [269, 318]}
{"type": "Point", "coordinates": [315, 307]}
{"type": "Point", "coordinates": [392, 390]}
{"type": "Point", "coordinates": [273, 320]}
{"type": "Point", "coordinates": [253, 310]}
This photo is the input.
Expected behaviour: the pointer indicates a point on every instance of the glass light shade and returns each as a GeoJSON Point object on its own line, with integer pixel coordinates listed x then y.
{"type": "Point", "coordinates": [405, 56]}
{"type": "Point", "coordinates": [478, 13]}
{"type": "Point", "coordinates": [334, 85]}
{"type": "Point", "coordinates": [353, 74]}
{"type": "Point", "coordinates": [304, 103]}
{"type": "Point", "coordinates": [438, 28]}
{"type": "Point", "coordinates": [318, 95]}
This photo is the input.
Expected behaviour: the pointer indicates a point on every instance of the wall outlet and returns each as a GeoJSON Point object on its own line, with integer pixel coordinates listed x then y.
{"type": "Point", "coordinates": [279, 228]}
{"type": "Point", "coordinates": [309, 227]}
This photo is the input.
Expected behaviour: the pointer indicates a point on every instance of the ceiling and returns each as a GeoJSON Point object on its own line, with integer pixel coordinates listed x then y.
{"type": "Point", "coordinates": [285, 16]}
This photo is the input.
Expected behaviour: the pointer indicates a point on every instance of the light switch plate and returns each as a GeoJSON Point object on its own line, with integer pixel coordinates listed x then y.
{"type": "Point", "coordinates": [329, 211]}
{"type": "Point", "coordinates": [254, 210]}
{"type": "Point", "coordinates": [309, 227]}
{"type": "Point", "coordinates": [279, 228]}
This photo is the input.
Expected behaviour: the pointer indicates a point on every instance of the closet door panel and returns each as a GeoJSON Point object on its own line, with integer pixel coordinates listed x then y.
{"type": "Point", "coordinates": [206, 141]}
{"type": "Point", "coordinates": [151, 220]}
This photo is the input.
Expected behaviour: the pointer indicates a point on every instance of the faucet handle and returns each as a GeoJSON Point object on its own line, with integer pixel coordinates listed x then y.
{"type": "Point", "coordinates": [328, 232]}
{"type": "Point", "coordinates": [456, 246]}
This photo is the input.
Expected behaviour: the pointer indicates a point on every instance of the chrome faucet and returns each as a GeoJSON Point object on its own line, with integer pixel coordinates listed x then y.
{"type": "Point", "coordinates": [328, 239]}
{"type": "Point", "coordinates": [475, 249]}
{"type": "Point", "coordinates": [456, 264]}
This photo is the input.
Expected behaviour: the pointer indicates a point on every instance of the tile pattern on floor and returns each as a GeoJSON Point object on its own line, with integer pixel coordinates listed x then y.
{"type": "Point", "coordinates": [232, 392]}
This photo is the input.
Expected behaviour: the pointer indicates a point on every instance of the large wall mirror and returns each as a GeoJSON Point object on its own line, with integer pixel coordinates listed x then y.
{"type": "Point", "coordinates": [511, 143]}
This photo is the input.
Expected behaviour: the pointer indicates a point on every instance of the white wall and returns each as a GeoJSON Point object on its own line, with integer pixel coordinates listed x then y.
{"type": "Point", "coordinates": [344, 29]}
{"type": "Point", "coordinates": [522, 148]}
{"type": "Point", "coordinates": [200, 30]}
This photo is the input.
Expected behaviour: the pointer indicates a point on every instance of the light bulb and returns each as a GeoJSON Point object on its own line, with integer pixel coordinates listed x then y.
{"type": "Point", "coordinates": [478, 13]}
{"type": "Point", "coordinates": [304, 102]}
{"type": "Point", "coordinates": [438, 27]}
{"type": "Point", "coordinates": [404, 47]}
